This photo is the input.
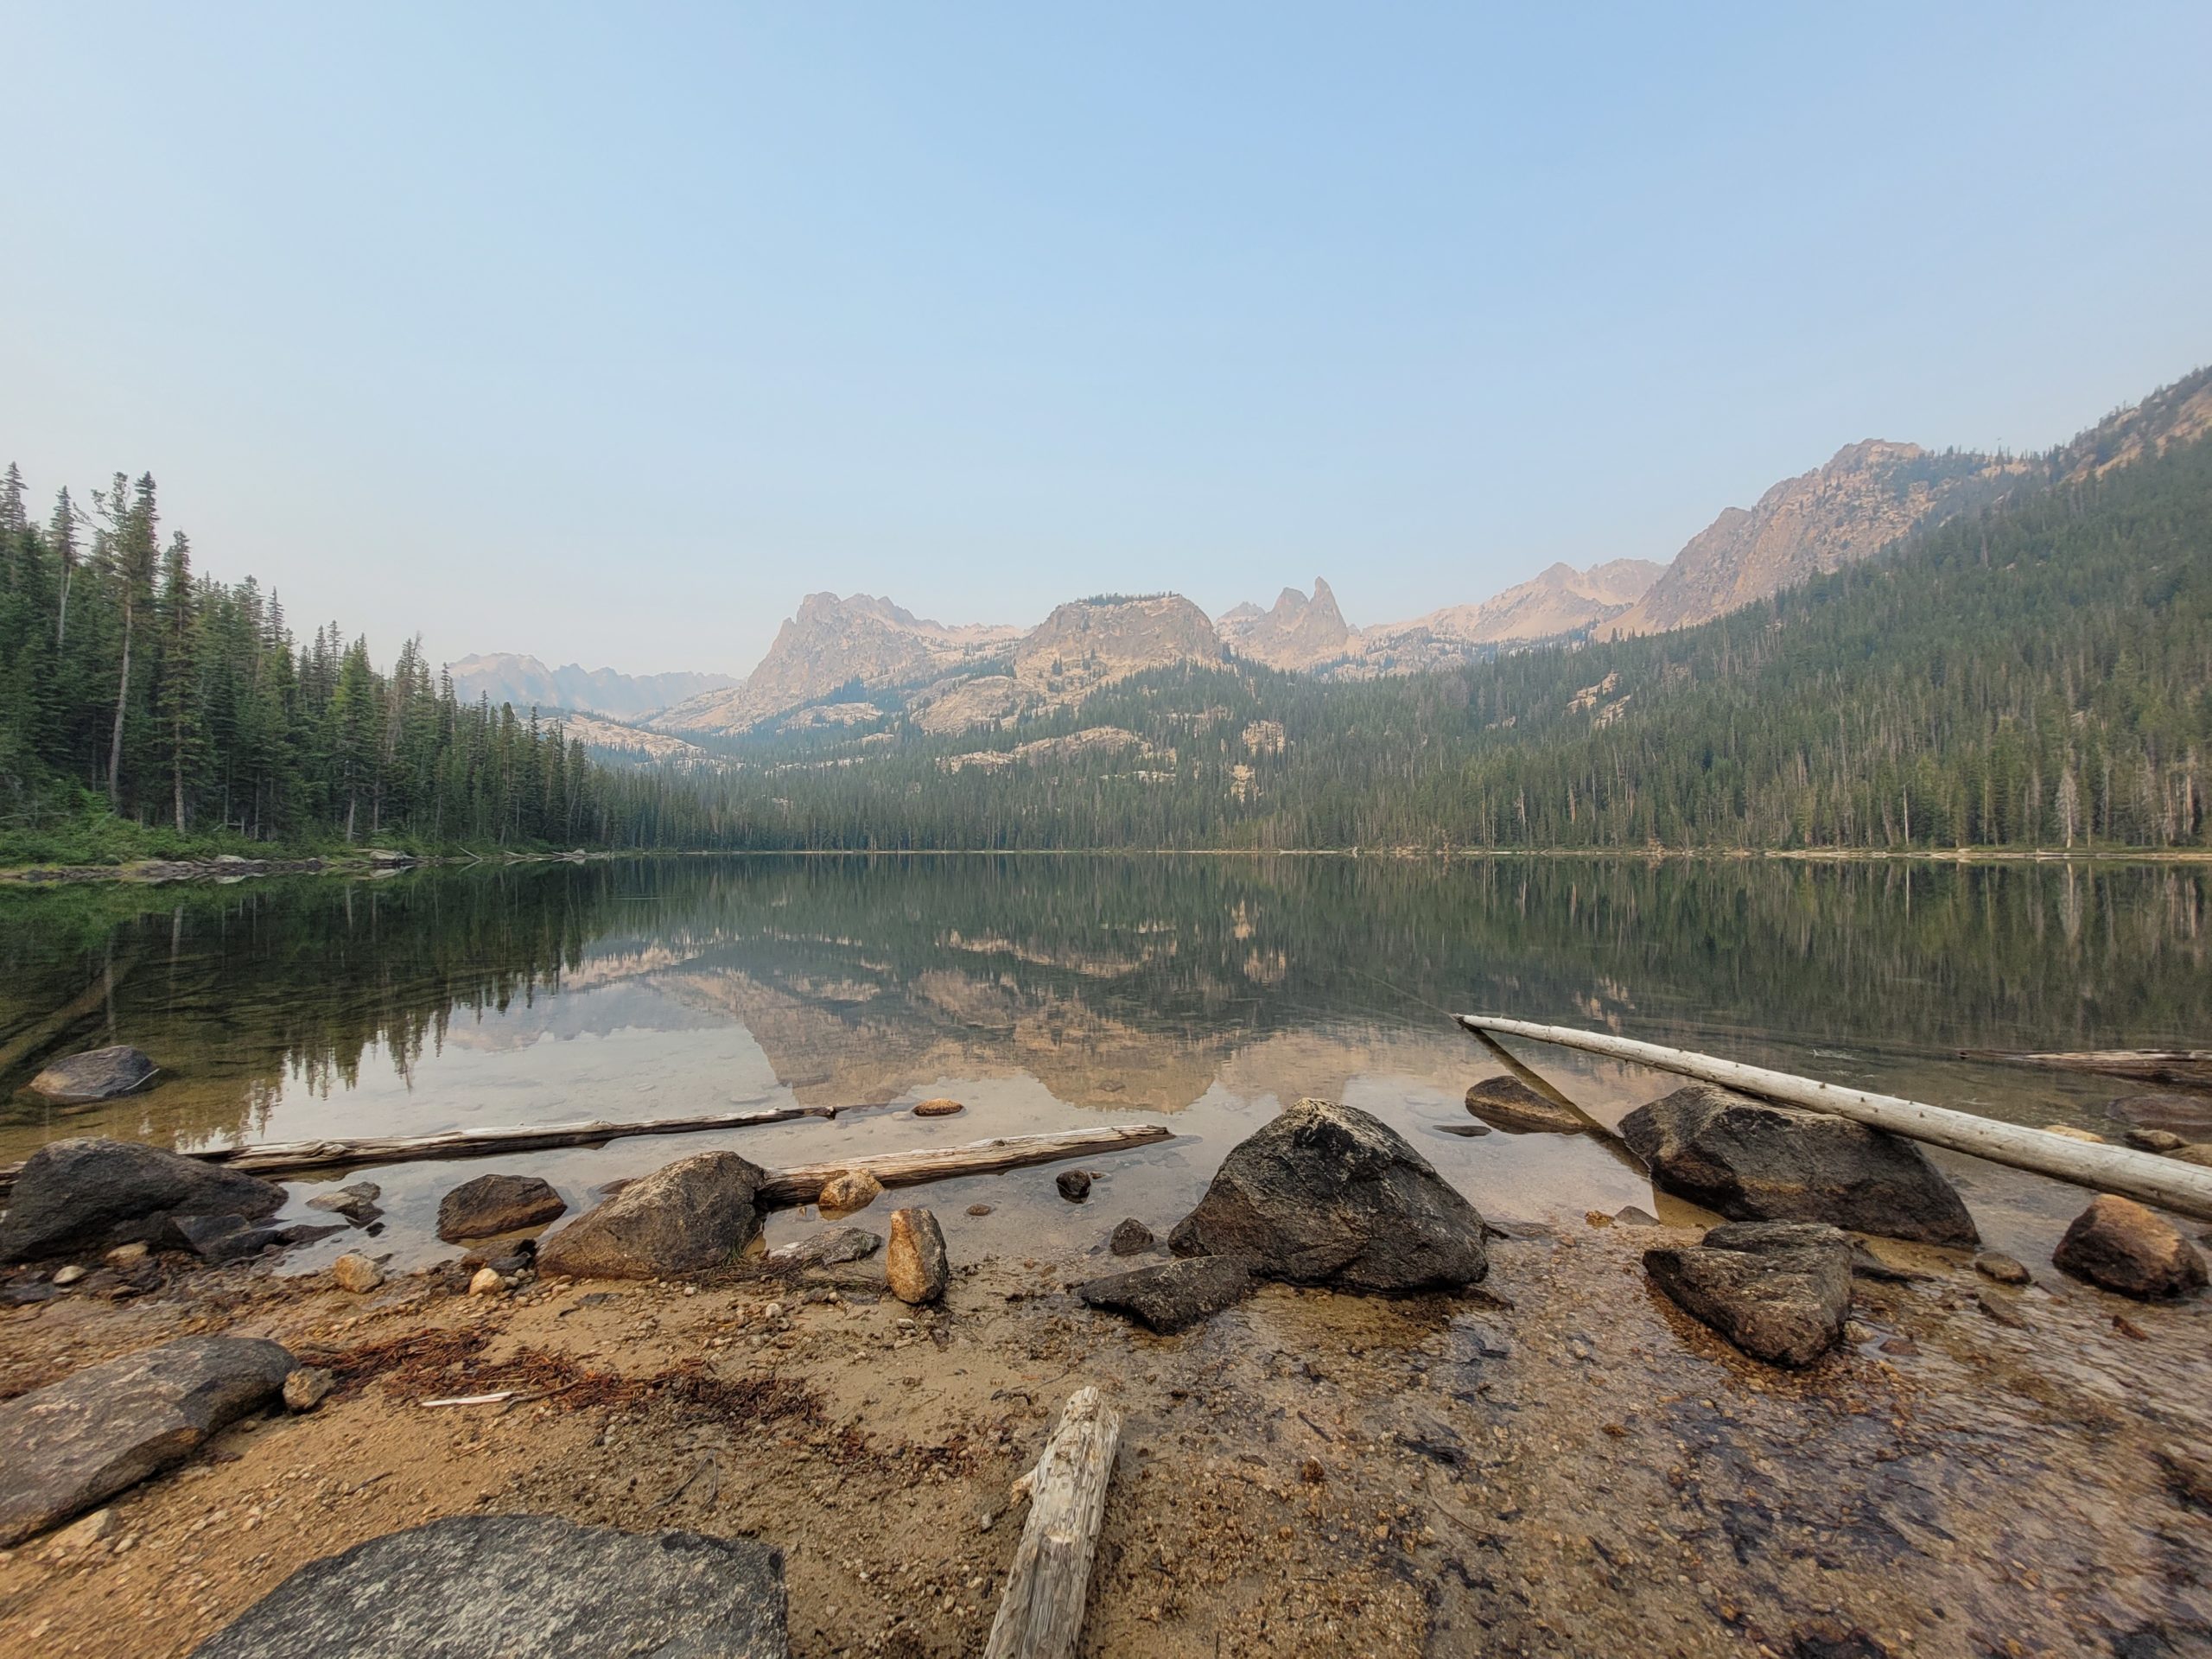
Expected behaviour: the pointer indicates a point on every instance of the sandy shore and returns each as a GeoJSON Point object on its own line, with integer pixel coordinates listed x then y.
{"type": "Point", "coordinates": [1564, 1465]}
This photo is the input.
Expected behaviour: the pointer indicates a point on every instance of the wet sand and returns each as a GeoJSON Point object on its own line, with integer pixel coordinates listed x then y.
{"type": "Point", "coordinates": [1563, 1464]}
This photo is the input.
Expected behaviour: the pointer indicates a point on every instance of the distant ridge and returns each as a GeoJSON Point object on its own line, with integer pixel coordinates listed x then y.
{"type": "Point", "coordinates": [504, 676]}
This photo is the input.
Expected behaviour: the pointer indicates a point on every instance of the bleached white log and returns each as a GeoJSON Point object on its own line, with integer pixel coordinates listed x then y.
{"type": "Point", "coordinates": [1040, 1616]}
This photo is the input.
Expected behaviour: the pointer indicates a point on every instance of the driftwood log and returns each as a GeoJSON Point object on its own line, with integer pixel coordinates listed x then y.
{"type": "Point", "coordinates": [1040, 1616]}
{"type": "Point", "coordinates": [787, 1188]}
{"type": "Point", "coordinates": [2175, 1068]}
{"type": "Point", "coordinates": [2184, 1188]}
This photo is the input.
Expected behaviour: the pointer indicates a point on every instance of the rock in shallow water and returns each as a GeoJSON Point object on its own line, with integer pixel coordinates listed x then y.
{"type": "Point", "coordinates": [1508, 1103]}
{"type": "Point", "coordinates": [1328, 1194]}
{"type": "Point", "coordinates": [832, 1247]}
{"type": "Point", "coordinates": [2187, 1115]}
{"type": "Point", "coordinates": [1779, 1290]}
{"type": "Point", "coordinates": [915, 1262]}
{"type": "Point", "coordinates": [1131, 1238]}
{"type": "Point", "coordinates": [491, 1204]}
{"type": "Point", "coordinates": [66, 1447]}
{"type": "Point", "coordinates": [2121, 1245]}
{"type": "Point", "coordinates": [1752, 1161]}
{"type": "Point", "coordinates": [855, 1189]}
{"type": "Point", "coordinates": [88, 1191]}
{"type": "Point", "coordinates": [1074, 1185]}
{"type": "Point", "coordinates": [357, 1203]}
{"type": "Point", "coordinates": [2004, 1269]}
{"type": "Point", "coordinates": [489, 1587]}
{"type": "Point", "coordinates": [696, 1213]}
{"type": "Point", "coordinates": [1173, 1295]}
{"type": "Point", "coordinates": [98, 1074]}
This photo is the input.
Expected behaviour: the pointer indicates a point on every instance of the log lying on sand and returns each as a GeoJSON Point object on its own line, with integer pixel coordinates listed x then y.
{"type": "Point", "coordinates": [281, 1158]}
{"type": "Point", "coordinates": [1040, 1617]}
{"type": "Point", "coordinates": [787, 1188]}
{"type": "Point", "coordinates": [2177, 1068]}
{"type": "Point", "coordinates": [2183, 1188]}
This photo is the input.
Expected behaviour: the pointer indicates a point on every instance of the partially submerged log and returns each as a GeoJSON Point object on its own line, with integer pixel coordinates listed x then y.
{"type": "Point", "coordinates": [2177, 1068]}
{"type": "Point", "coordinates": [2183, 1188]}
{"type": "Point", "coordinates": [787, 1188]}
{"type": "Point", "coordinates": [1040, 1616]}
{"type": "Point", "coordinates": [284, 1158]}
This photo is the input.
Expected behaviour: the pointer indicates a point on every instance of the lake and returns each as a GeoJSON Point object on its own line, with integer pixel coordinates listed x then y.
{"type": "Point", "coordinates": [1055, 992]}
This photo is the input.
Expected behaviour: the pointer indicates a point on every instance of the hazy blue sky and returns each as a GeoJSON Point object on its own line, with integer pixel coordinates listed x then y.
{"type": "Point", "coordinates": [607, 332]}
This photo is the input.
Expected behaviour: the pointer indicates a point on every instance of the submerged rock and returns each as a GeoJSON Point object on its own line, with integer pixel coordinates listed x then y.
{"type": "Point", "coordinates": [96, 1192]}
{"type": "Point", "coordinates": [1173, 1295]}
{"type": "Point", "coordinates": [2188, 1115]}
{"type": "Point", "coordinates": [65, 1447]}
{"type": "Point", "coordinates": [357, 1203]}
{"type": "Point", "coordinates": [217, 1239]}
{"type": "Point", "coordinates": [98, 1074]}
{"type": "Point", "coordinates": [2154, 1140]}
{"type": "Point", "coordinates": [485, 1587]}
{"type": "Point", "coordinates": [1779, 1290]}
{"type": "Point", "coordinates": [1508, 1103]}
{"type": "Point", "coordinates": [1328, 1194]}
{"type": "Point", "coordinates": [1074, 1185]}
{"type": "Point", "coordinates": [2004, 1269]}
{"type": "Point", "coordinates": [1752, 1161]}
{"type": "Point", "coordinates": [695, 1213]}
{"type": "Point", "coordinates": [915, 1262]}
{"type": "Point", "coordinates": [2121, 1245]}
{"type": "Point", "coordinates": [491, 1204]}
{"type": "Point", "coordinates": [1132, 1237]}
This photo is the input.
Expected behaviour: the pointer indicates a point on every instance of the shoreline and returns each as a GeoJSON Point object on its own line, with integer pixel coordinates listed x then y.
{"type": "Point", "coordinates": [1557, 1456]}
{"type": "Point", "coordinates": [153, 871]}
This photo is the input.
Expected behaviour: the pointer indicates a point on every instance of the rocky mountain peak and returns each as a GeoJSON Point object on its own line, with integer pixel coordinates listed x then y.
{"type": "Point", "coordinates": [1299, 633]}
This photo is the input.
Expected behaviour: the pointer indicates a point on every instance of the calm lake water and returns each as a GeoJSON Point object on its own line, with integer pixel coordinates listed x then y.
{"type": "Point", "coordinates": [1051, 993]}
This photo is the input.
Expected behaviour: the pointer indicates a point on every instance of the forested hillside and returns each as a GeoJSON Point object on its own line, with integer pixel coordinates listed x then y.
{"type": "Point", "coordinates": [2036, 674]}
{"type": "Point", "coordinates": [135, 692]}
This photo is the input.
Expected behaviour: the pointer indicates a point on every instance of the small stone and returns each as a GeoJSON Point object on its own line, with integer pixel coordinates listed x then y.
{"type": "Point", "coordinates": [979, 1208]}
{"type": "Point", "coordinates": [2000, 1310]}
{"type": "Point", "coordinates": [774, 1311]}
{"type": "Point", "coordinates": [1074, 1185]}
{"type": "Point", "coordinates": [915, 1262]}
{"type": "Point", "coordinates": [127, 1255]}
{"type": "Point", "coordinates": [1131, 1237]}
{"type": "Point", "coordinates": [486, 1282]}
{"type": "Point", "coordinates": [357, 1203]}
{"type": "Point", "coordinates": [855, 1189]}
{"type": "Point", "coordinates": [833, 1247]}
{"type": "Point", "coordinates": [2154, 1140]}
{"type": "Point", "coordinates": [68, 1276]}
{"type": "Point", "coordinates": [356, 1273]}
{"type": "Point", "coordinates": [95, 1528]}
{"type": "Point", "coordinates": [2004, 1269]}
{"type": "Point", "coordinates": [307, 1387]}
{"type": "Point", "coordinates": [2120, 1244]}
{"type": "Point", "coordinates": [937, 1107]}
{"type": "Point", "coordinates": [2199, 1153]}
{"type": "Point", "coordinates": [1902, 1347]}
{"type": "Point", "coordinates": [1629, 1215]}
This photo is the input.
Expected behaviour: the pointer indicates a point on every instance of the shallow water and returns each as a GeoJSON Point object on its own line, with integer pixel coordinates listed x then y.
{"type": "Point", "coordinates": [1049, 992]}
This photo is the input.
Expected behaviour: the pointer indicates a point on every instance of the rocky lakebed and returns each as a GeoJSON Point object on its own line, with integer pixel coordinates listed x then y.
{"type": "Point", "coordinates": [1362, 1411]}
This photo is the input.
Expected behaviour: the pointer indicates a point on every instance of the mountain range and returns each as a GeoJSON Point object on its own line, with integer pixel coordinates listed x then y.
{"type": "Point", "coordinates": [854, 662]}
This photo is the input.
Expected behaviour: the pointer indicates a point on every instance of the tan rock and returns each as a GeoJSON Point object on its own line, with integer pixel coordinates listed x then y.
{"type": "Point", "coordinates": [355, 1272]}
{"type": "Point", "coordinates": [307, 1387]}
{"type": "Point", "coordinates": [127, 1255]}
{"type": "Point", "coordinates": [915, 1262]}
{"type": "Point", "coordinates": [2123, 1246]}
{"type": "Point", "coordinates": [855, 1189]}
{"type": "Point", "coordinates": [486, 1282]}
{"type": "Point", "coordinates": [938, 1108]}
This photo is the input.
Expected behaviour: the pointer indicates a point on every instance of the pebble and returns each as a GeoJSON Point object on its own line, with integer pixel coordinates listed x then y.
{"type": "Point", "coordinates": [95, 1528]}
{"type": "Point", "coordinates": [855, 1189]}
{"type": "Point", "coordinates": [2004, 1269]}
{"type": "Point", "coordinates": [68, 1276]}
{"type": "Point", "coordinates": [127, 1255]}
{"type": "Point", "coordinates": [487, 1282]}
{"type": "Point", "coordinates": [979, 1208]}
{"type": "Point", "coordinates": [1074, 1185]}
{"type": "Point", "coordinates": [307, 1387]}
{"type": "Point", "coordinates": [937, 1107]}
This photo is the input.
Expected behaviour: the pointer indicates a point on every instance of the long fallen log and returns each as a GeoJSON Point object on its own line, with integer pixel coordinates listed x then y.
{"type": "Point", "coordinates": [281, 1158]}
{"type": "Point", "coordinates": [786, 1189]}
{"type": "Point", "coordinates": [1040, 1616]}
{"type": "Point", "coordinates": [2177, 1068]}
{"type": "Point", "coordinates": [2185, 1188]}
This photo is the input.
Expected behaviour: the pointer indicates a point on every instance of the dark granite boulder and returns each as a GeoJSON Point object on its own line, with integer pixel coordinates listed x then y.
{"type": "Point", "coordinates": [88, 1193]}
{"type": "Point", "coordinates": [492, 1587]}
{"type": "Point", "coordinates": [1779, 1290]}
{"type": "Point", "coordinates": [1173, 1295]}
{"type": "Point", "coordinates": [98, 1074]}
{"type": "Point", "coordinates": [1752, 1161]}
{"type": "Point", "coordinates": [491, 1204]}
{"type": "Point", "coordinates": [696, 1213]}
{"type": "Point", "coordinates": [1328, 1194]}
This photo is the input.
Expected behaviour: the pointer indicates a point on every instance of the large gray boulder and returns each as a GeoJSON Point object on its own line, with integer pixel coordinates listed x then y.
{"type": "Point", "coordinates": [98, 1074]}
{"type": "Point", "coordinates": [1752, 1161]}
{"type": "Point", "coordinates": [1327, 1194]}
{"type": "Point", "coordinates": [696, 1213]}
{"type": "Point", "coordinates": [1779, 1290]}
{"type": "Point", "coordinates": [87, 1193]}
{"type": "Point", "coordinates": [69, 1446]}
{"type": "Point", "coordinates": [491, 1204]}
{"type": "Point", "coordinates": [493, 1586]}
{"type": "Point", "coordinates": [1172, 1295]}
